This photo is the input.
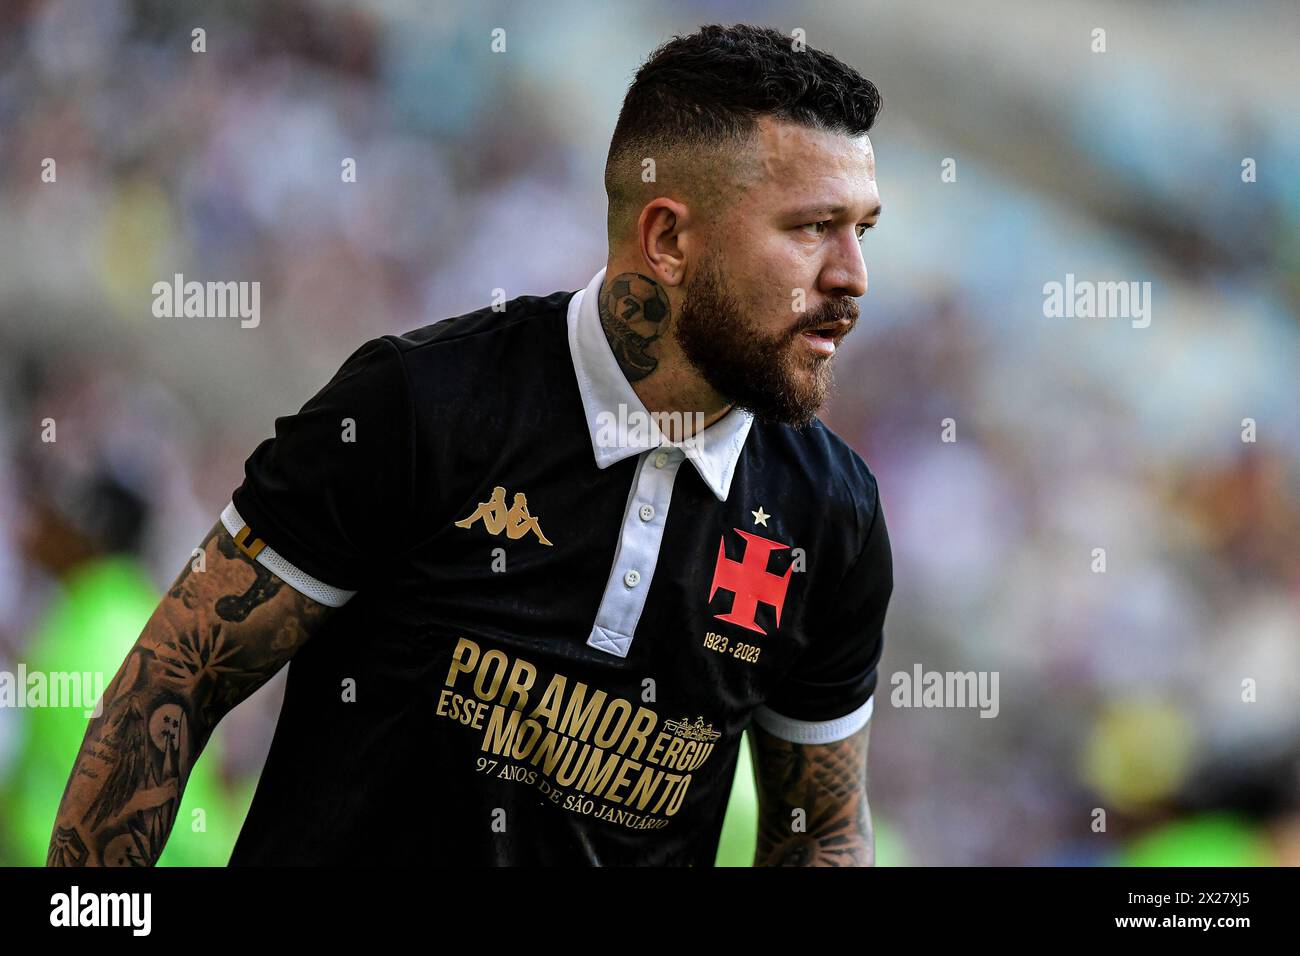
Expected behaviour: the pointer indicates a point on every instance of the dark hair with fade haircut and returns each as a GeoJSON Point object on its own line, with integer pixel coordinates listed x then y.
{"type": "Point", "coordinates": [706, 91]}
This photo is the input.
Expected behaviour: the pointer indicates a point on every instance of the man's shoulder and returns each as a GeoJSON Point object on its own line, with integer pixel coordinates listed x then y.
{"type": "Point", "coordinates": [488, 328]}
{"type": "Point", "coordinates": [816, 462]}
{"type": "Point", "coordinates": [852, 469]}
{"type": "Point", "coordinates": [820, 452]}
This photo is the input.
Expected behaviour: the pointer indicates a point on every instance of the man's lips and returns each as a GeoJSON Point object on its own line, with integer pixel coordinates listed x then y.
{"type": "Point", "coordinates": [824, 337]}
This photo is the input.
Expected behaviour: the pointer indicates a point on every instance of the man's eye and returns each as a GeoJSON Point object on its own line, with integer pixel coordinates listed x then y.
{"type": "Point", "coordinates": [814, 226]}
{"type": "Point", "coordinates": [862, 229]}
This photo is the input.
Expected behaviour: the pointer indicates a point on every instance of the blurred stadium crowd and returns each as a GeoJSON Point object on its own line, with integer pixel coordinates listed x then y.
{"type": "Point", "coordinates": [476, 170]}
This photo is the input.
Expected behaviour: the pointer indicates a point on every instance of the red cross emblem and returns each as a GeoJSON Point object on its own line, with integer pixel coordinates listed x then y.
{"type": "Point", "coordinates": [749, 580]}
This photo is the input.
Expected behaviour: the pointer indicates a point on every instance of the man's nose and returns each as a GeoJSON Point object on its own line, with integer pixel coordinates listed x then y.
{"type": "Point", "coordinates": [845, 272]}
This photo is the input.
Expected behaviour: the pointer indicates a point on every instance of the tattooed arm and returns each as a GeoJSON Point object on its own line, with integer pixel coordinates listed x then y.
{"type": "Point", "coordinates": [216, 636]}
{"type": "Point", "coordinates": [828, 783]}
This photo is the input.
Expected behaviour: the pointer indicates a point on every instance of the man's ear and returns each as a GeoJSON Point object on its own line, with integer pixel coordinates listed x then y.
{"type": "Point", "coordinates": [661, 230]}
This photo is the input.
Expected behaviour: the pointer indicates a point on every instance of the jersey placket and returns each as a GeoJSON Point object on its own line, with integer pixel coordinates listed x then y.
{"type": "Point", "coordinates": [637, 553]}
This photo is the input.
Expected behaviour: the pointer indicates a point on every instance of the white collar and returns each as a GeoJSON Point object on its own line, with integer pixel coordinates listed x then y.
{"type": "Point", "coordinates": [604, 388]}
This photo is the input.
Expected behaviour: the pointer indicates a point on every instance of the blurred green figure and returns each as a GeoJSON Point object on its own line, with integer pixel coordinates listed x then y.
{"type": "Point", "coordinates": [1207, 839]}
{"type": "Point", "coordinates": [85, 535]}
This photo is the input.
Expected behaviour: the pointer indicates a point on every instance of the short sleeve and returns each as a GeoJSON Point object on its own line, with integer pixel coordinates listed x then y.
{"type": "Point", "coordinates": [828, 694]}
{"type": "Point", "coordinates": [321, 502]}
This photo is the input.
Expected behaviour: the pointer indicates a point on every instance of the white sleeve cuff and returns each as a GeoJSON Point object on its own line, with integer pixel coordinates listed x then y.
{"type": "Point", "coordinates": [813, 731]}
{"type": "Point", "coordinates": [299, 580]}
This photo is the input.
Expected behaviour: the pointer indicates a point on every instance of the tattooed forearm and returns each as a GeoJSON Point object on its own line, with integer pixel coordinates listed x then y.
{"type": "Point", "coordinates": [633, 308]}
{"type": "Point", "coordinates": [812, 802]}
{"type": "Point", "coordinates": [217, 635]}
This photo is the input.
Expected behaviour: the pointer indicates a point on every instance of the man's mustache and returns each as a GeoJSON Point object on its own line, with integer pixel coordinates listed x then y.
{"type": "Point", "coordinates": [838, 314]}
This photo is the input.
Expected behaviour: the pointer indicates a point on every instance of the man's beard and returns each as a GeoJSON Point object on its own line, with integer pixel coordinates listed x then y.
{"type": "Point", "coordinates": [774, 376]}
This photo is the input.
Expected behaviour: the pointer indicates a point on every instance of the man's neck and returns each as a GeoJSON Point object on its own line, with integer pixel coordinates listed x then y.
{"type": "Point", "coordinates": [637, 315]}
{"type": "Point", "coordinates": [674, 390]}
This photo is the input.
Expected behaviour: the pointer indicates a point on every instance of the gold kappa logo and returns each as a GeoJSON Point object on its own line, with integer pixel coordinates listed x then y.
{"type": "Point", "coordinates": [515, 521]}
{"type": "Point", "coordinates": [696, 731]}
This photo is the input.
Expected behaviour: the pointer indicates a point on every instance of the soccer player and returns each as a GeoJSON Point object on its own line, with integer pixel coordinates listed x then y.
{"type": "Point", "coordinates": [538, 567]}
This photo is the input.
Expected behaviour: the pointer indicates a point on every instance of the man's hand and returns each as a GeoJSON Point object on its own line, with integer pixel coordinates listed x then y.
{"type": "Point", "coordinates": [828, 783]}
{"type": "Point", "coordinates": [217, 635]}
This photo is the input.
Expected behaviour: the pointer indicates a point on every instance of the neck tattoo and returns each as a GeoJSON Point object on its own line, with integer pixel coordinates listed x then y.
{"type": "Point", "coordinates": [633, 310]}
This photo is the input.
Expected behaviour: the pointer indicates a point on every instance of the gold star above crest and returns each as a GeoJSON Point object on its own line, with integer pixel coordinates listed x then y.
{"type": "Point", "coordinates": [760, 516]}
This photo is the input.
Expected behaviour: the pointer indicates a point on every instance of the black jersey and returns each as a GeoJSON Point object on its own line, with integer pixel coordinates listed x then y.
{"type": "Point", "coordinates": [553, 623]}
